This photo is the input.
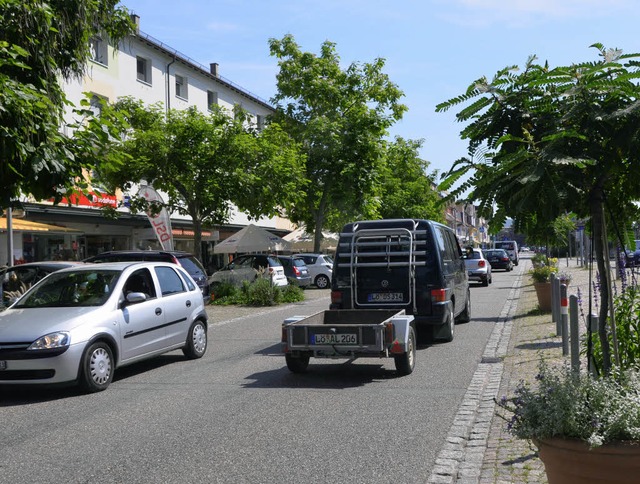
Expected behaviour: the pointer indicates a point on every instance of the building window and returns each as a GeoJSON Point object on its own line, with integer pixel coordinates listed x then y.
{"type": "Point", "coordinates": [95, 104]}
{"type": "Point", "coordinates": [98, 48]}
{"type": "Point", "coordinates": [260, 122]}
{"type": "Point", "coordinates": [143, 69]}
{"type": "Point", "coordinates": [212, 100]}
{"type": "Point", "coordinates": [181, 87]}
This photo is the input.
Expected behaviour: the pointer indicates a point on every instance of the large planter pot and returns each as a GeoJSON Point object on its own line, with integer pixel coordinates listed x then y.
{"type": "Point", "coordinates": [543, 291]}
{"type": "Point", "coordinates": [572, 461]}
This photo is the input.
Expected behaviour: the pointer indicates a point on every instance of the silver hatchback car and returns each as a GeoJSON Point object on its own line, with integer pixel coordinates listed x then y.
{"type": "Point", "coordinates": [80, 324]}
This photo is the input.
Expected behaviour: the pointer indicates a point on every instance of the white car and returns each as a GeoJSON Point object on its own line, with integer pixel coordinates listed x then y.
{"type": "Point", "coordinates": [249, 268]}
{"type": "Point", "coordinates": [82, 323]}
{"type": "Point", "coordinates": [478, 268]}
{"type": "Point", "coordinates": [320, 268]}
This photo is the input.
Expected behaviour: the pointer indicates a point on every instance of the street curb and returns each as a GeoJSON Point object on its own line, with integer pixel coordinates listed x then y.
{"type": "Point", "coordinates": [461, 458]}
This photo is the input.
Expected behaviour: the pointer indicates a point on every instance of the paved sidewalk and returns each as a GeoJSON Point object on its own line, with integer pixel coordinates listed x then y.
{"type": "Point", "coordinates": [478, 448]}
{"type": "Point", "coordinates": [533, 336]}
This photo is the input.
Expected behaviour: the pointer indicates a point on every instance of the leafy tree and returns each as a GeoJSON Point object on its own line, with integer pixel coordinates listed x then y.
{"type": "Point", "coordinates": [548, 141]}
{"type": "Point", "coordinates": [41, 44]}
{"type": "Point", "coordinates": [339, 117]}
{"type": "Point", "coordinates": [206, 162]}
{"type": "Point", "coordinates": [407, 191]}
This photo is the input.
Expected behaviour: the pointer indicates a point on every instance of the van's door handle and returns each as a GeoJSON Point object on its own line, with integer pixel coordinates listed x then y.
{"type": "Point", "coordinates": [158, 311]}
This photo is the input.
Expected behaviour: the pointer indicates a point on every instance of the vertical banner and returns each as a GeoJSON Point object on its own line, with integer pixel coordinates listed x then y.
{"type": "Point", "coordinates": [161, 223]}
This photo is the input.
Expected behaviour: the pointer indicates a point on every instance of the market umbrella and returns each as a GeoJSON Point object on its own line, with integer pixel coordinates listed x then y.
{"type": "Point", "coordinates": [301, 240]}
{"type": "Point", "coordinates": [252, 239]}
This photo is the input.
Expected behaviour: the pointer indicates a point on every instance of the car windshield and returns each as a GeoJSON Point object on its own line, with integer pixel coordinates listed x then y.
{"type": "Point", "coordinates": [495, 253]}
{"type": "Point", "coordinates": [72, 289]}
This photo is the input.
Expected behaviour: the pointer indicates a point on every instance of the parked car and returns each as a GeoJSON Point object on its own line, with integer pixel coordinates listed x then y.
{"type": "Point", "coordinates": [82, 323]}
{"type": "Point", "coordinates": [16, 280]}
{"type": "Point", "coordinates": [499, 259]}
{"type": "Point", "coordinates": [413, 265]}
{"type": "Point", "coordinates": [478, 268]}
{"type": "Point", "coordinates": [511, 248]}
{"type": "Point", "coordinates": [184, 259]}
{"type": "Point", "coordinates": [320, 268]}
{"type": "Point", "coordinates": [249, 268]}
{"type": "Point", "coordinates": [296, 271]}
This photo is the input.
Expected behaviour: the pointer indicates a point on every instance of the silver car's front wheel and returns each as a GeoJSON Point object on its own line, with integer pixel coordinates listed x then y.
{"type": "Point", "coordinates": [97, 367]}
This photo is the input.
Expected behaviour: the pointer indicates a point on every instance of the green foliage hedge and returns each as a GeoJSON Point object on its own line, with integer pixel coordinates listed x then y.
{"type": "Point", "coordinates": [258, 293]}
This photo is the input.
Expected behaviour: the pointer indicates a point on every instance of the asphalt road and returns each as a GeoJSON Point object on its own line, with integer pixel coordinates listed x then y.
{"type": "Point", "coordinates": [239, 416]}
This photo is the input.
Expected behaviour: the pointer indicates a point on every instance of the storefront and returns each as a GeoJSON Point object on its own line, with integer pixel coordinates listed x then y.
{"type": "Point", "coordinates": [35, 241]}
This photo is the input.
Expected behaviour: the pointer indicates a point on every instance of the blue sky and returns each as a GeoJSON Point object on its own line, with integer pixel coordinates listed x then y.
{"type": "Point", "coordinates": [434, 49]}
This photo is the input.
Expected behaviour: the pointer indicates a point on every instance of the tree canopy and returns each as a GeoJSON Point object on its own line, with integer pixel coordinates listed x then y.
{"type": "Point", "coordinates": [41, 44]}
{"type": "Point", "coordinates": [207, 162]}
{"type": "Point", "coordinates": [546, 141]}
{"type": "Point", "coordinates": [340, 118]}
{"type": "Point", "coordinates": [406, 190]}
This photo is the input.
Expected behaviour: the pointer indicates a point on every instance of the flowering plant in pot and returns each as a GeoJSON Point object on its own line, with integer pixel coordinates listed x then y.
{"type": "Point", "coordinates": [542, 272]}
{"type": "Point", "coordinates": [578, 421]}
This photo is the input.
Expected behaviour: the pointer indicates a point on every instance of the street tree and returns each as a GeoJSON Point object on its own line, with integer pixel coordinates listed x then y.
{"type": "Point", "coordinates": [546, 141]}
{"type": "Point", "coordinates": [407, 190]}
{"type": "Point", "coordinates": [41, 45]}
{"type": "Point", "coordinates": [206, 163]}
{"type": "Point", "coordinates": [340, 118]}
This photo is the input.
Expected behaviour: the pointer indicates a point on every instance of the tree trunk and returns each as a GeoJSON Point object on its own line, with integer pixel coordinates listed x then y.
{"type": "Point", "coordinates": [319, 222]}
{"type": "Point", "coordinates": [601, 251]}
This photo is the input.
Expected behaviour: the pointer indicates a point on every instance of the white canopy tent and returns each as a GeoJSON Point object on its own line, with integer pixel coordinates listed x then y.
{"type": "Point", "coordinates": [303, 241]}
{"type": "Point", "coordinates": [252, 239]}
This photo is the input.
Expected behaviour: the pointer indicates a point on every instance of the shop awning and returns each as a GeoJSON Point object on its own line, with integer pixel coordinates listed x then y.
{"type": "Point", "coordinates": [20, 225]}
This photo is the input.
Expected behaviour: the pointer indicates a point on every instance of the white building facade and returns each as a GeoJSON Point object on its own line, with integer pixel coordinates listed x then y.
{"type": "Point", "coordinates": [146, 69]}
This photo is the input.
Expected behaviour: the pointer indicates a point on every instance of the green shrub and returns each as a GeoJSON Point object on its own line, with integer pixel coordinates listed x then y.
{"type": "Point", "coordinates": [263, 293]}
{"type": "Point", "coordinates": [257, 293]}
{"type": "Point", "coordinates": [225, 294]}
{"type": "Point", "coordinates": [292, 294]}
{"type": "Point", "coordinates": [626, 308]}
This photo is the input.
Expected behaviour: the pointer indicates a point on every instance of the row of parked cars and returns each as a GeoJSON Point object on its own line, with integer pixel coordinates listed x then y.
{"type": "Point", "coordinates": [481, 262]}
{"type": "Point", "coordinates": [76, 322]}
{"type": "Point", "coordinates": [302, 270]}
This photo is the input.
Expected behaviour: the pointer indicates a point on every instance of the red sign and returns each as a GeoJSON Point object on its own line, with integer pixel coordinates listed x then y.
{"type": "Point", "coordinates": [93, 199]}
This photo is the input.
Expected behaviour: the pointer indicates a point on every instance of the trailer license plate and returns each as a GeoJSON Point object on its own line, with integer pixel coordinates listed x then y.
{"type": "Point", "coordinates": [385, 296]}
{"type": "Point", "coordinates": [334, 339]}
{"type": "Point", "coordinates": [3, 365]}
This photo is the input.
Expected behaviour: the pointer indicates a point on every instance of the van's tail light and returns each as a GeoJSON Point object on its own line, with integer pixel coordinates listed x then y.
{"type": "Point", "coordinates": [481, 263]}
{"type": "Point", "coordinates": [336, 297]}
{"type": "Point", "coordinates": [438, 295]}
{"type": "Point", "coordinates": [284, 335]}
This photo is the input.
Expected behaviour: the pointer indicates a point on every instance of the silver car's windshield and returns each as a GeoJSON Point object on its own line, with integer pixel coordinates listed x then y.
{"type": "Point", "coordinates": [72, 289]}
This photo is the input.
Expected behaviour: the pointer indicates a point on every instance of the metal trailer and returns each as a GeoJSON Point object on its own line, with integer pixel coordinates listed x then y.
{"type": "Point", "coordinates": [350, 334]}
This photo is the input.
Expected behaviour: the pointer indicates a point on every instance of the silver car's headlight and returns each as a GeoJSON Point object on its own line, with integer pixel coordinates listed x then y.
{"type": "Point", "coordinates": [50, 341]}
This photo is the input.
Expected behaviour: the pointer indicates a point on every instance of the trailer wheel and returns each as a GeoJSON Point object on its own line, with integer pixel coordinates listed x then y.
{"type": "Point", "coordinates": [406, 362]}
{"type": "Point", "coordinates": [297, 364]}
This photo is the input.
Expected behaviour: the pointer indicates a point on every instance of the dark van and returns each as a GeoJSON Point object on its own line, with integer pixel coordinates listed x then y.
{"type": "Point", "coordinates": [409, 264]}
